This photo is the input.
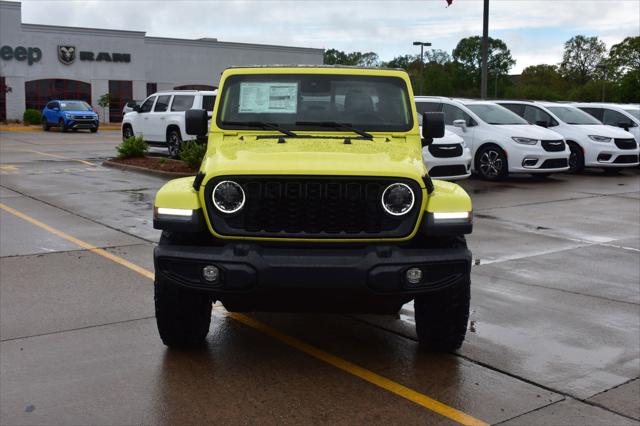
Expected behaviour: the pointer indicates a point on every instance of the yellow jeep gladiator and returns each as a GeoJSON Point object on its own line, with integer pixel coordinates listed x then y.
{"type": "Point", "coordinates": [313, 197]}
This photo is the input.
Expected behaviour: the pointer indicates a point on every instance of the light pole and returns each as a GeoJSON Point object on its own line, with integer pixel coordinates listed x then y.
{"type": "Point", "coordinates": [495, 88]}
{"type": "Point", "coordinates": [485, 50]}
{"type": "Point", "coordinates": [422, 44]}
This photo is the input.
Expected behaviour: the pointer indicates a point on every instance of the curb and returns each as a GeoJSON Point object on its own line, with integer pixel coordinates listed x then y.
{"type": "Point", "coordinates": [138, 169]}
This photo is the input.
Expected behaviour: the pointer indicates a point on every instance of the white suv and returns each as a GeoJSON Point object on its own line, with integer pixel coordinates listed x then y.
{"type": "Point", "coordinates": [626, 117]}
{"type": "Point", "coordinates": [592, 143]}
{"type": "Point", "coordinates": [500, 142]}
{"type": "Point", "coordinates": [160, 118]}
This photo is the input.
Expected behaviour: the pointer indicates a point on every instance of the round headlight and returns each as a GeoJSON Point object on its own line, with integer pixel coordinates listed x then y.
{"type": "Point", "coordinates": [397, 199]}
{"type": "Point", "coordinates": [228, 196]}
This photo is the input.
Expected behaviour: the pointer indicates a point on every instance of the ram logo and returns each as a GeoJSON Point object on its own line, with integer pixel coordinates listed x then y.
{"type": "Point", "coordinates": [67, 54]}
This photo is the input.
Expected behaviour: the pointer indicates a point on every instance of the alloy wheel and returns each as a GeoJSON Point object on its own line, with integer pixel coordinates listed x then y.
{"type": "Point", "coordinates": [491, 163]}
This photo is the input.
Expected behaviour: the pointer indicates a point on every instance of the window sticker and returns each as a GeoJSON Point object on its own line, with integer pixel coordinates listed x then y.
{"type": "Point", "coordinates": [268, 97]}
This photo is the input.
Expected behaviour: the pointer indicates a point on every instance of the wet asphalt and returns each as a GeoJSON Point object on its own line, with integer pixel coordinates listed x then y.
{"type": "Point", "coordinates": [554, 335]}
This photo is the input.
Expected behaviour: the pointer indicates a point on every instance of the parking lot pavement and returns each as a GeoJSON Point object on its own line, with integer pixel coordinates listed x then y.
{"type": "Point", "coordinates": [554, 332]}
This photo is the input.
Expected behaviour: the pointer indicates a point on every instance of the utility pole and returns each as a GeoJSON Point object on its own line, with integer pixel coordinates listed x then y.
{"type": "Point", "coordinates": [485, 50]}
{"type": "Point", "coordinates": [422, 45]}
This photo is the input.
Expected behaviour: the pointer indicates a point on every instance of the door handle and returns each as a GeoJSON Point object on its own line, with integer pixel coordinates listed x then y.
{"type": "Point", "coordinates": [163, 118]}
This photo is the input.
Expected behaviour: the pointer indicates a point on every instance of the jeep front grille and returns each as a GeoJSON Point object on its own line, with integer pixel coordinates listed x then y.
{"type": "Point", "coordinates": [313, 207]}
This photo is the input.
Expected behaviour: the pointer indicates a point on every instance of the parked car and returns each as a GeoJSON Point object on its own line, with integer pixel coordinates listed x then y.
{"type": "Point", "coordinates": [160, 118]}
{"type": "Point", "coordinates": [130, 106]}
{"type": "Point", "coordinates": [592, 144]}
{"type": "Point", "coordinates": [626, 117]}
{"type": "Point", "coordinates": [501, 142]}
{"type": "Point", "coordinates": [311, 204]}
{"type": "Point", "coordinates": [69, 115]}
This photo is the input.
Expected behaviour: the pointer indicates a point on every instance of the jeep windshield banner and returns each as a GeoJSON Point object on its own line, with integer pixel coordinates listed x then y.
{"type": "Point", "coordinates": [268, 97]}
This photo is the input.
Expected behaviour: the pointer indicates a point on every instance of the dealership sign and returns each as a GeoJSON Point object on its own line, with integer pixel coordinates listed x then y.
{"type": "Point", "coordinates": [67, 55]}
{"type": "Point", "coordinates": [20, 53]}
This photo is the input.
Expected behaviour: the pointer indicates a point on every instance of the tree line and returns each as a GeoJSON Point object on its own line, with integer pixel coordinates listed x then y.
{"type": "Point", "coordinates": [587, 70]}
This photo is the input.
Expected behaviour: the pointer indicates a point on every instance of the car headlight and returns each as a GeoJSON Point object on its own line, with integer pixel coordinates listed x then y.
{"type": "Point", "coordinates": [397, 199]}
{"type": "Point", "coordinates": [524, 141]}
{"type": "Point", "coordinates": [67, 115]}
{"type": "Point", "coordinates": [228, 196]}
{"type": "Point", "coordinates": [599, 138]}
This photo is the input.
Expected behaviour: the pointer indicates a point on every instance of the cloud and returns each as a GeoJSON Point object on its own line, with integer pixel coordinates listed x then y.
{"type": "Point", "coordinates": [385, 27]}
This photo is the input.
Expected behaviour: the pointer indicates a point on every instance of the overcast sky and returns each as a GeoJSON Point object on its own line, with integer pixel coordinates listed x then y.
{"type": "Point", "coordinates": [534, 30]}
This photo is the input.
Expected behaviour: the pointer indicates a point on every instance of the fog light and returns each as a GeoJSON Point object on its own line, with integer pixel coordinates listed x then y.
{"type": "Point", "coordinates": [414, 275]}
{"type": "Point", "coordinates": [529, 162]}
{"type": "Point", "coordinates": [210, 273]}
{"type": "Point", "coordinates": [604, 157]}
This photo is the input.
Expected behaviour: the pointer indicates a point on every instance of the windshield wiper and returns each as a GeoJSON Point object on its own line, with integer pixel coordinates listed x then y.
{"type": "Point", "coordinates": [261, 125]}
{"type": "Point", "coordinates": [335, 125]}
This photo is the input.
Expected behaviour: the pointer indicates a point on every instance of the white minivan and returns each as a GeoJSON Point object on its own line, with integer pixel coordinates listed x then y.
{"type": "Point", "coordinates": [624, 116]}
{"type": "Point", "coordinates": [592, 143]}
{"type": "Point", "coordinates": [160, 120]}
{"type": "Point", "coordinates": [501, 142]}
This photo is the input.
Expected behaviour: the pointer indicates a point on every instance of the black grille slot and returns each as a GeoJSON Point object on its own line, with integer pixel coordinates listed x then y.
{"type": "Point", "coordinates": [445, 150]}
{"type": "Point", "coordinates": [440, 171]}
{"type": "Point", "coordinates": [626, 159]}
{"type": "Point", "coordinates": [554, 163]}
{"type": "Point", "coordinates": [553, 146]}
{"type": "Point", "coordinates": [626, 143]}
{"type": "Point", "coordinates": [313, 207]}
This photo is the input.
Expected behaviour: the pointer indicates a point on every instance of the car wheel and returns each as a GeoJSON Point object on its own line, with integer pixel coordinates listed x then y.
{"type": "Point", "coordinates": [183, 316]}
{"type": "Point", "coordinates": [61, 125]}
{"type": "Point", "coordinates": [45, 124]}
{"type": "Point", "coordinates": [441, 317]}
{"type": "Point", "coordinates": [173, 143]}
{"type": "Point", "coordinates": [127, 132]}
{"type": "Point", "coordinates": [576, 158]}
{"type": "Point", "coordinates": [94, 129]}
{"type": "Point", "coordinates": [491, 163]}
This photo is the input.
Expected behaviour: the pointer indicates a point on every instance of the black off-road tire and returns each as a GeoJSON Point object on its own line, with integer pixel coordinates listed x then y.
{"type": "Point", "coordinates": [576, 158]}
{"type": "Point", "coordinates": [441, 317]}
{"type": "Point", "coordinates": [127, 132]}
{"type": "Point", "coordinates": [183, 316]}
{"type": "Point", "coordinates": [174, 141]}
{"type": "Point", "coordinates": [491, 163]}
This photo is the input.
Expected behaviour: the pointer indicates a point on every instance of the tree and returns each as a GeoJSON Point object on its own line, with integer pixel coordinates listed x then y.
{"type": "Point", "coordinates": [405, 62]}
{"type": "Point", "coordinates": [104, 104]}
{"type": "Point", "coordinates": [437, 56]}
{"type": "Point", "coordinates": [468, 53]}
{"type": "Point", "coordinates": [581, 57]}
{"type": "Point", "coordinates": [338, 57]}
{"type": "Point", "coordinates": [624, 57]}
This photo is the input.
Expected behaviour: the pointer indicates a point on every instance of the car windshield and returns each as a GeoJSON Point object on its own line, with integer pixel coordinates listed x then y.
{"type": "Point", "coordinates": [634, 112]}
{"type": "Point", "coordinates": [495, 114]}
{"type": "Point", "coordinates": [74, 106]}
{"type": "Point", "coordinates": [572, 115]}
{"type": "Point", "coordinates": [315, 102]}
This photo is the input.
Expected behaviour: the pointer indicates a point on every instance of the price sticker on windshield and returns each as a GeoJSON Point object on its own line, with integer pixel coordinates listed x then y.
{"type": "Point", "coordinates": [271, 97]}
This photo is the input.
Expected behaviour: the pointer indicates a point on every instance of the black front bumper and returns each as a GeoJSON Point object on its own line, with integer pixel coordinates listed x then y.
{"type": "Point", "coordinates": [367, 278]}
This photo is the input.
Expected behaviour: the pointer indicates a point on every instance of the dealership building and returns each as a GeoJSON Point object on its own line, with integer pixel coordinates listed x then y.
{"type": "Point", "coordinates": [43, 62]}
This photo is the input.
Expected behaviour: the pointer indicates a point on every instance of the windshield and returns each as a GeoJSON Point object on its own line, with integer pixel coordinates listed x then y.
{"type": "Point", "coordinates": [75, 106]}
{"type": "Point", "coordinates": [634, 112]}
{"type": "Point", "coordinates": [495, 114]}
{"type": "Point", "coordinates": [571, 115]}
{"type": "Point", "coordinates": [311, 101]}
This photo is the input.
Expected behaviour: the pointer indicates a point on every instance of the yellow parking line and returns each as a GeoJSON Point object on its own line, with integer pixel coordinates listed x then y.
{"type": "Point", "coordinates": [59, 156]}
{"type": "Point", "coordinates": [344, 365]}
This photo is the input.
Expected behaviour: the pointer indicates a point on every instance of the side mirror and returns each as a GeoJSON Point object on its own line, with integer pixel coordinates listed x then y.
{"type": "Point", "coordinates": [56, 108]}
{"type": "Point", "coordinates": [432, 126]}
{"type": "Point", "coordinates": [542, 123]}
{"type": "Point", "coordinates": [461, 124]}
{"type": "Point", "coordinates": [136, 108]}
{"type": "Point", "coordinates": [624, 126]}
{"type": "Point", "coordinates": [196, 121]}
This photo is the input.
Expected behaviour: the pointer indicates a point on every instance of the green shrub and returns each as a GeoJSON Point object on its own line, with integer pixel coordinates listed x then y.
{"type": "Point", "coordinates": [32, 116]}
{"type": "Point", "coordinates": [192, 153]}
{"type": "Point", "coordinates": [134, 146]}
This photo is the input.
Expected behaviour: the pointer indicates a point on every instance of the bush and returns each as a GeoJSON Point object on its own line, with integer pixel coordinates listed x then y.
{"type": "Point", "coordinates": [134, 146]}
{"type": "Point", "coordinates": [32, 116]}
{"type": "Point", "coordinates": [192, 153]}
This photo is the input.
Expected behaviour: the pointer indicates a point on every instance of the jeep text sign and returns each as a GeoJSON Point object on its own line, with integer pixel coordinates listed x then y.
{"type": "Point", "coordinates": [20, 53]}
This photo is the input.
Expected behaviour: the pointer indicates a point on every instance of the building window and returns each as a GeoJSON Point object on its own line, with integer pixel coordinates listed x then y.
{"type": "Point", "coordinates": [39, 92]}
{"type": "Point", "coordinates": [195, 87]}
{"type": "Point", "coordinates": [152, 88]}
{"type": "Point", "coordinates": [120, 91]}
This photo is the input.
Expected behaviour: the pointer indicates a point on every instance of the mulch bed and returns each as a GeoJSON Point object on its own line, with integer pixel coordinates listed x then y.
{"type": "Point", "coordinates": [156, 163]}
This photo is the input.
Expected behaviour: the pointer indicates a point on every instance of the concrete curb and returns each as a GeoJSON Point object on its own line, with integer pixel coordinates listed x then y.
{"type": "Point", "coordinates": [138, 169]}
